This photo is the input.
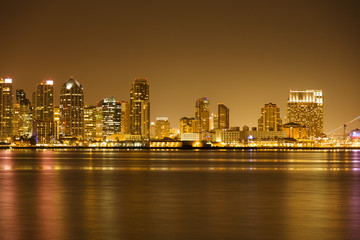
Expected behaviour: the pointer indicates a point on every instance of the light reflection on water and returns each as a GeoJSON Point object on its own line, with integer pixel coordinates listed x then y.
{"type": "Point", "coordinates": [179, 195]}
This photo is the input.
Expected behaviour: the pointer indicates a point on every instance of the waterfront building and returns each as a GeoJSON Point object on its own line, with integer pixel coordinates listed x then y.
{"type": "Point", "coordinates": [187, 125]}
{"type": "Point", "coordinates": [140, 108]}
{"type": "Point", "coordinates": [267, 135]}
{"type": "Point", "coordinates": [162, 128]}
{"type": "Point", "coordinates": [270, 118]}
{"type": "Point", "coordinates": [214, 121]}
{"type": "Point", "coordinates": [174, 133]}
{"type": "Point", "coordinates": [231, 136]}
{"type": "Point", "coordinates": [202, 114]}
{"type": "Point", "coordinates": [307, 108]}
{"type": "Point", "coordinates": [244, 134]}
{"type": "Point", "coordinates": [152, 130]}
{"type": "Point", "coordinates": [111, 116]}
{"type": "Point", "coordinates": [21, 97]}
{"type": "Point", "coordinates": [295, 130]}
{"type": "Point", "coordinates": [56, 122]}
{"type": "Point", "coordinates": [191, 136]}
{"type": "Point", "coordinates": [125, 117]}
{"type": "Point", "coordinates": [99, 124]}
{"type": "Point", "coordinates": [223, 113]}
{"type": "Point", "coordinates": [44, 112]}
{"type": "Point", "coordinates": [90, 113]}
{"type": "Point", "coordinates": [22, 116]}
{"type": "Point", "coordinates": [6, 109]}
{"type": "Point", "coordinates": [72, 110]}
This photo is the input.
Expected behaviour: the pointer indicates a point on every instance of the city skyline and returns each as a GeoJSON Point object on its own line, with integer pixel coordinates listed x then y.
{"type": "Point", "coordinates": [51, 82]}
{"type": "Point", "coordinates": [239, 53]}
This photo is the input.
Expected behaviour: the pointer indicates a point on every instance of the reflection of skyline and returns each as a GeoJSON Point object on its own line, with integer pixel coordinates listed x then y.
{"type": "Point", "coordinates": [49, 205]}
{"type": "Point", "coordinates": [9, 204]}
{"type": "Point", "coordinates": [143, 161]}
{"type": "Point", "coordinates": [104, 194]}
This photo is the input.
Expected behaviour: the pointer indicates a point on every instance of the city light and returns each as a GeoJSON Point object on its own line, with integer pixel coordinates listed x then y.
{"type": "Point", "coordinates": [112, 123]}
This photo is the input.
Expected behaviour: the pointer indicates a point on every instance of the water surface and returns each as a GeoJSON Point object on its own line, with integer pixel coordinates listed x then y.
{"type": "Point", "coordinates": [179, 195]}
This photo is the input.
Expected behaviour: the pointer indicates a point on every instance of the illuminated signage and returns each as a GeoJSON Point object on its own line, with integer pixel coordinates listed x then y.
{"type": "Point", "coordinates": [49, 82]}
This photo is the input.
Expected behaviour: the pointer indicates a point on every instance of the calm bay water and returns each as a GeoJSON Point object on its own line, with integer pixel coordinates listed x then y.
{"type": "Point", "coordinates": [179, 195]}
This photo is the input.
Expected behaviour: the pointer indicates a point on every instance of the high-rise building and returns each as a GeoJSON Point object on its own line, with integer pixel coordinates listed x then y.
{"type": "Point", "coordinates": [307, 108]}
{"type": "Point", "coordinates": [111, 116]}
{"type": "Point", "coordinates": [90, 123]}
{"type": "Point", "coordinates": [72, 110]}
{"type": "Point", "coordinates": [44, 112]}
{"type": "Point", "coordinates": [152, 130]}
{"type": "Point", "coordinates": [22, 117]}
{"type": "Point", "coordinates": [56, 122]}
{"type": "Point", "coordinates": [187, 125]}
{"type": "Point", "coordinates": [213, 121]}
{"type": "Point", "coordinates": [140, 108]}
{"type": "Point", "coordinates": [270, 118]}
{"type": "Point", "coordinates": [223, 115]}
{"type": "Point", "coordinates": [162, 128]}
{"type": "Point", "coordinates": [125, 117]}
{"type": "Point", "coordinates": [6, 110]}
{"type": "Point", "coordinates": [21, 97]}
{"type": "Point", "coordinates": [202, 115]}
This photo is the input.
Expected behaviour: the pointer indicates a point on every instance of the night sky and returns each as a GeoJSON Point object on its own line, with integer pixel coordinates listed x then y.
{"type": "Point", "coordinates": [240, 53]}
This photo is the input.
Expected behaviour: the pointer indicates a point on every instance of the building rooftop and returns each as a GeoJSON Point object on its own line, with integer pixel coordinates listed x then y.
{"type": "Point", "coordinates": [71, 82]}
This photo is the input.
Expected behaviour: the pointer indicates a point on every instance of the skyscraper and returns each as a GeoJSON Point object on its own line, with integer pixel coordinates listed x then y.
{"type": "Point", "coordinates": [223, 115]}
{"type": "Point", "coordinates": [44, 112]}
{"type": "Point", "coordinates": [213, 121]}
{"type": "Point", "coordinates": [90, 123]}
{"type": "Point", "coordinates": [21, 97]}
{"type": "Point", "coordinates": [140, 108]}
{"type": "Point", "coordinates": [187, 125]}
{"type": "Point", "coordinates": [56, 122]}
{"type": "Point", "coordinates": [6, 110]}
{"type": "Point", "coordinates": [72, 110]}
{"type": "Point", "coordinates": [307, 108]}
{"type": "Point", "coordinates": [270, 118]}
{"type": "Point", "coordinates": [22, 117]}
{"type": "Point", "coordinates": [162, 128]}
{"type": "Point", "coordinates": [125, 117]}
{"type": "Point", "coordinates": [111, 115]}
{"type": "Point", "coordinates": [202, 114]}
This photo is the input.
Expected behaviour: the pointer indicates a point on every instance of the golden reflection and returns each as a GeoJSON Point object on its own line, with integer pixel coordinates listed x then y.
{"type": "Point", "coordinates": [49, 200]}
{"type": "Point", "coordinates": [10, 225]}
{"type": "Point", "coordinates": [222, 168]}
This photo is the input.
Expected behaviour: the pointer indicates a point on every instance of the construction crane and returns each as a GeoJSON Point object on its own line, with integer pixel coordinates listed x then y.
{"type": "Point", "coordinates": [343, 126]}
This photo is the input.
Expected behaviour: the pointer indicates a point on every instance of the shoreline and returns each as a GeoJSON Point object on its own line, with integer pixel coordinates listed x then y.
{"type": "Point", "coordinates": [178, 148]}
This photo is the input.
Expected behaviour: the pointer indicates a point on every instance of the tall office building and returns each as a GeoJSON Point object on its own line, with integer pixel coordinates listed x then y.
{"type": "Point", "coordinates": [223, 115]}
{"type": "Point", "coordinates": [125, 117]}
{"type": "Point", "coordinates": [90, 113]}
{"type": "Point", "coordinates": [21, 97]}
{"type": "Point", "coordinates": [140, 108]}
{"type": "Point", "coordinates": [202, 115]}
{"type": "Point", "coordinates": [6, 110]}
{"type": "Point", "coordinates": [270, 118]}
{"type": "Point", "coordinates": [111, 116]}
{"type": "Point", "coordinates": [307, 108]}
{"type": "Point", "coordinates": [22, 117]}
{"type": "Point", "coordinates": [56, 122]}
{"type": "Point", "coordinates": [162, 128]}
{"type": "Point", "coordinates": [44, 112]}
{"type": "Point", "coordinates": [187, 125]}
{"type": "Point", "coordinates": [72, 110]}
{"type": "Point", "coordinates": [213, 121]}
